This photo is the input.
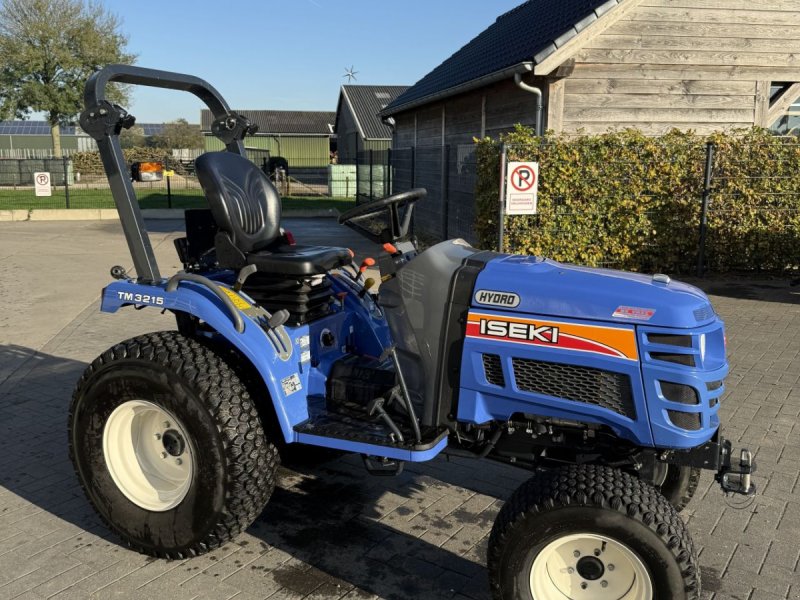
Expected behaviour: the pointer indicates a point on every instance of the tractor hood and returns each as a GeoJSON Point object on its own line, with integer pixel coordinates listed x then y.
{"type": "Point", "coordinates": [528, 284]}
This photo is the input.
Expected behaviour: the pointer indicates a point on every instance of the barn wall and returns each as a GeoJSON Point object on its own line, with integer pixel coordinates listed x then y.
{"type": "Point", "coordinates": [689, 64]}
{"type": "Point", "coordinates": [348, 136]}
{"type": "Point", "coordinates": [442, 134]}
{"type": "Point", "coordinates": [300, 151]}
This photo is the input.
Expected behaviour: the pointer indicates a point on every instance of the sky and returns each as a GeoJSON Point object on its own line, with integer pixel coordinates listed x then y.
{"type": "Point", "coordinates": [291, 54]}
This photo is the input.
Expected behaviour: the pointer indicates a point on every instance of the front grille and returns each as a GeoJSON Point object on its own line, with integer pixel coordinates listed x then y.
{"type": "Point", "coordinates": [493, 370]}
{"type": "Point", "coordinates": [580, 384]}
{"type": "Point", "coordinates": [676, 392]}
{"type": "Point", "coordinates": [704, 313]}
{"type": "Point", "coordinates": [684, 420]}
{"type": "Point", "coordinates": [670, 339]}
{"type": "Point", "coordinates": [678, 359]}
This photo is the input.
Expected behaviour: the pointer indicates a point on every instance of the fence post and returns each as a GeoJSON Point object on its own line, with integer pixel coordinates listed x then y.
{"type": "Point", "coordinates": [709, 168]}
{"type": "Point", "coordinates": [413, 167]}
{"type": "Point", "coordinates": [445, 187]}
{"type": "Point", "coordinates": [65, 161]}
{"type": "Point", "coordinates": [371, 189]}
{"type": "Point", "coordinates": [387, 174]}
{"type": "Point", "coordinates": [501, 225]}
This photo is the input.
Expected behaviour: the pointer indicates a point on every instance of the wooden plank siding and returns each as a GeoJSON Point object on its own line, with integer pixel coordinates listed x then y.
{"type": "Point", "coordinates": [693, 64]}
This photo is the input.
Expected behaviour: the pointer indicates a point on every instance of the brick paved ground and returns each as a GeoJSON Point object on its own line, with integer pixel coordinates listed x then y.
{"type": "Point", "coordinates": [334, 532]}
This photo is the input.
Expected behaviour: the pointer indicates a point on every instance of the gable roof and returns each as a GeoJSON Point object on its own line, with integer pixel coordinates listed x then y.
{"type": "Point", "coordinates": [366, 102]}
{"type": "Point", "coordinates": [284, 122]}
{"type": "Point", "coordinates": [518, 39]}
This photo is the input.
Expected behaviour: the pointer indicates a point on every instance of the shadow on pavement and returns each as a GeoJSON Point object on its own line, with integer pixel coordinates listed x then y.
{"type": "Point", "coordinates": [325, 516]}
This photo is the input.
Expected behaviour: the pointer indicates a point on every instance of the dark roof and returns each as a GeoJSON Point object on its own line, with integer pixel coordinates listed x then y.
{"type": "Point", "coordinates": [528, 33]}
{"type": "Point", "coordinates": [365, 102]}
{"type": "Point", "coordinates": [289, 122]}
{"type": "Point", "coordinates": [31, 128]}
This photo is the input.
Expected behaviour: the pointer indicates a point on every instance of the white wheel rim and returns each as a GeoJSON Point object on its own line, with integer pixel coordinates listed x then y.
{"type": "Point", "coordinates": [148, 455]}
{"type": "Point", "coordinates": [588, 566]}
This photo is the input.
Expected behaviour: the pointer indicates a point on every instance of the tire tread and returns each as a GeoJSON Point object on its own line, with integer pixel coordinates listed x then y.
{"type": "Point", "coordinates": [252, 459]}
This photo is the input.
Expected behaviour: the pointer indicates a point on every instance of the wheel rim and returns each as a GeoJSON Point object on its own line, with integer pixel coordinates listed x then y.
{"type": "Point", "coordinates": [589, 566]}
{"type": "Point", "coordinates": [147, 453]}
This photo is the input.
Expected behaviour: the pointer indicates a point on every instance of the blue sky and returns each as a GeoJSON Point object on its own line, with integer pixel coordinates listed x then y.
{"type": "Point", "coordinates": [292, 54]}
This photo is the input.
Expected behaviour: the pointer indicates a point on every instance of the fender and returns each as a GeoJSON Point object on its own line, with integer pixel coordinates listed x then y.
{"type": "Point", "coordinates": [253, 342]}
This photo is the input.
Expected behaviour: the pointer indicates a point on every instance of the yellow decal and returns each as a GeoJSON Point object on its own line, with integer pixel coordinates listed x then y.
{"type": "Point", "coordinates": [237, 300]}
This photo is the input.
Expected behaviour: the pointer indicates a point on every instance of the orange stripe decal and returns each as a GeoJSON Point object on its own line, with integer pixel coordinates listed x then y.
{"type": "Point", "coordinates": [608, 341]}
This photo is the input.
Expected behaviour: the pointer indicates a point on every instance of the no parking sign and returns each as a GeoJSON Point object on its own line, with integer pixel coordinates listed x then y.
{"type": "Point", "coordinates": [522, 187]}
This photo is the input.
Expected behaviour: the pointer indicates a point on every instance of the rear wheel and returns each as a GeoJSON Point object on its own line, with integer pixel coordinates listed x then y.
{"type": "Point", "coordinates": [679, 485]}
{"type": "Point", "coordinates": [168, 445]}
{"type": "Point", "coordinates": [590, 532]}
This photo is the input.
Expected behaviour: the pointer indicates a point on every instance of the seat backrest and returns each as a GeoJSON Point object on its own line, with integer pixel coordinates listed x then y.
{"type": "Point", "coordinates": [242, 199]}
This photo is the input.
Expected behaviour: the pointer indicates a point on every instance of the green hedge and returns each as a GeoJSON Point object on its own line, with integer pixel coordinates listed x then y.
{"type": "Point", "coordinates": [633, 202]}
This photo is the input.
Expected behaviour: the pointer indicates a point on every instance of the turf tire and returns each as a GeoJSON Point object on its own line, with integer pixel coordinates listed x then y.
{"type": "Point", "coordinates": [591, 499]}
{"type": "Point", "coordinates": [236, 464]}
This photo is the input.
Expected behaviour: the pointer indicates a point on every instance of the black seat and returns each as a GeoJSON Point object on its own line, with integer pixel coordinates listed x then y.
{"type": "Point", "coordinates": [247, 209]}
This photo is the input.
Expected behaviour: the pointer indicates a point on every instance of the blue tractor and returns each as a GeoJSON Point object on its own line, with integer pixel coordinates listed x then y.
{"type": "Point", "coordinates": [605, 385]}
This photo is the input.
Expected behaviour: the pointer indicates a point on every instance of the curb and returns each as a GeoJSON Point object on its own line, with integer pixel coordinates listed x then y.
{"type": "Point", "coordinates": [111, 214]}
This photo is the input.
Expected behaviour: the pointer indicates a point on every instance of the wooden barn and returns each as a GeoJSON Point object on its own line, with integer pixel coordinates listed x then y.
{"type": "Point", "coordinates": [705, 65]}
{"type": "Point", "coordinates": [358, 125]}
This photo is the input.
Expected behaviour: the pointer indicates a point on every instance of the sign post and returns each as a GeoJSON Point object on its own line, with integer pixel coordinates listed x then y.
{"type": "Point", "coordinates": [522, 188]}
{"type": "Point", "coordinates": [501, 223]}
{"type": "Point", "coordinates": [41, 184]}
{"type": "Point", "coordinates": [519, 191]}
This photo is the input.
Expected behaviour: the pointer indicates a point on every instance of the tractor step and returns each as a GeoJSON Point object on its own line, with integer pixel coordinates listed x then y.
{"type": "Point", "coordinates": [350, 422]}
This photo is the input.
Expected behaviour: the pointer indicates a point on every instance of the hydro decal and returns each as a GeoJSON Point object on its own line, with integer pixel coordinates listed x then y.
{"type": "Point", "coordinates": [501, 299]}
{"type": "Point", "coordinates": [608, 341]}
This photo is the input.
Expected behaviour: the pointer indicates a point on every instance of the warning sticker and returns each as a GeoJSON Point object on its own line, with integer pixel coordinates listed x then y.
{"type": "Point", "coordinates": [291, 384]}
{"type": "Point", "coordinates": [237, 300]}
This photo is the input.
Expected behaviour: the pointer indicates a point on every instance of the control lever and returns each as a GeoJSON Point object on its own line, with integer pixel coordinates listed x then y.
{"type": "Point", "coordinates": [365, 264]}
{"type": "Point", "coordinates": [278, 318]}
{"type": "Point", "coordinates": [391, 351]}
{"type": "Point", "coordinates": [244, 273]}
{"type": "Point", "coordinates": [376, 406]}
{"type": "Point", "coordinates": [368, 285]}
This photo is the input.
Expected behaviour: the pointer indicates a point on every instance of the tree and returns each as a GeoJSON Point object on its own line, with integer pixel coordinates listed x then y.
{"type": "Point", "coordinates": [178, 134]}
{"type": "Point", "coordinates": [49, 48]}
{"type": "Point", "coordinates": [133, 137]}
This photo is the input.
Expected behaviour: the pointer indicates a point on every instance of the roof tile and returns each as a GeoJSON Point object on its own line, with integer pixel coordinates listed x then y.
{"type": "Point", "coordinates": [530, 32]}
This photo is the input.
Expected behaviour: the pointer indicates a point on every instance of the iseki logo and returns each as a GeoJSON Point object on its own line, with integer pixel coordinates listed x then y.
{"type": "Point", "coordinates": [519, 331]}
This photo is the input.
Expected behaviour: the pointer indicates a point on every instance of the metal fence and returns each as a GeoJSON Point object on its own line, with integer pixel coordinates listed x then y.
{"type": "Point", "coordinates": [449, 174]}
{"type": "Point", "coordinates": [72, 188]}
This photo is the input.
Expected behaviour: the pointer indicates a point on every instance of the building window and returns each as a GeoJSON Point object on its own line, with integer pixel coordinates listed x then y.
{"type": "Point", "coordinates": [789, 122]}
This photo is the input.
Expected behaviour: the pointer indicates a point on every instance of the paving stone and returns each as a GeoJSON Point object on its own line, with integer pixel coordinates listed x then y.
{"type": "Point", "coordinates": [335, 532]}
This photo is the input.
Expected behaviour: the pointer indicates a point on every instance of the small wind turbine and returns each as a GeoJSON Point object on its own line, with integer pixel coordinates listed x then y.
{"type": "Point", "coordinates": [350, 74]}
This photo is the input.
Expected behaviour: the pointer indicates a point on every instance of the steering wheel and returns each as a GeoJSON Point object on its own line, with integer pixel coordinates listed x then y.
{"type": "Point", "coordinates": [398, 227]}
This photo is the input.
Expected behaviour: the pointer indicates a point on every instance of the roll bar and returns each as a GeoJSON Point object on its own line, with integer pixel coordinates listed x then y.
{"type": "Point", "coordinates": [103, 121]}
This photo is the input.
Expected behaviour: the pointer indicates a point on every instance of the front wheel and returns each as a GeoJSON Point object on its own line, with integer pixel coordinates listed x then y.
{"type": "Point", "coordinates": [168, 445]}
{"type": "Point", "coordinates": [590, 532]}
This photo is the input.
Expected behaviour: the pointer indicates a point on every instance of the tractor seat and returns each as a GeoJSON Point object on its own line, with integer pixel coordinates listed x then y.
{"type": "Point", "coordinates": [247, 210]}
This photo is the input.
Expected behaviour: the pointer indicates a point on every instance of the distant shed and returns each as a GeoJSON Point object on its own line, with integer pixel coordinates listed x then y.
{"type": "Point", "coordinates": [303, 138]}
{"type": "Point", "coordinates": [358, 124]}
